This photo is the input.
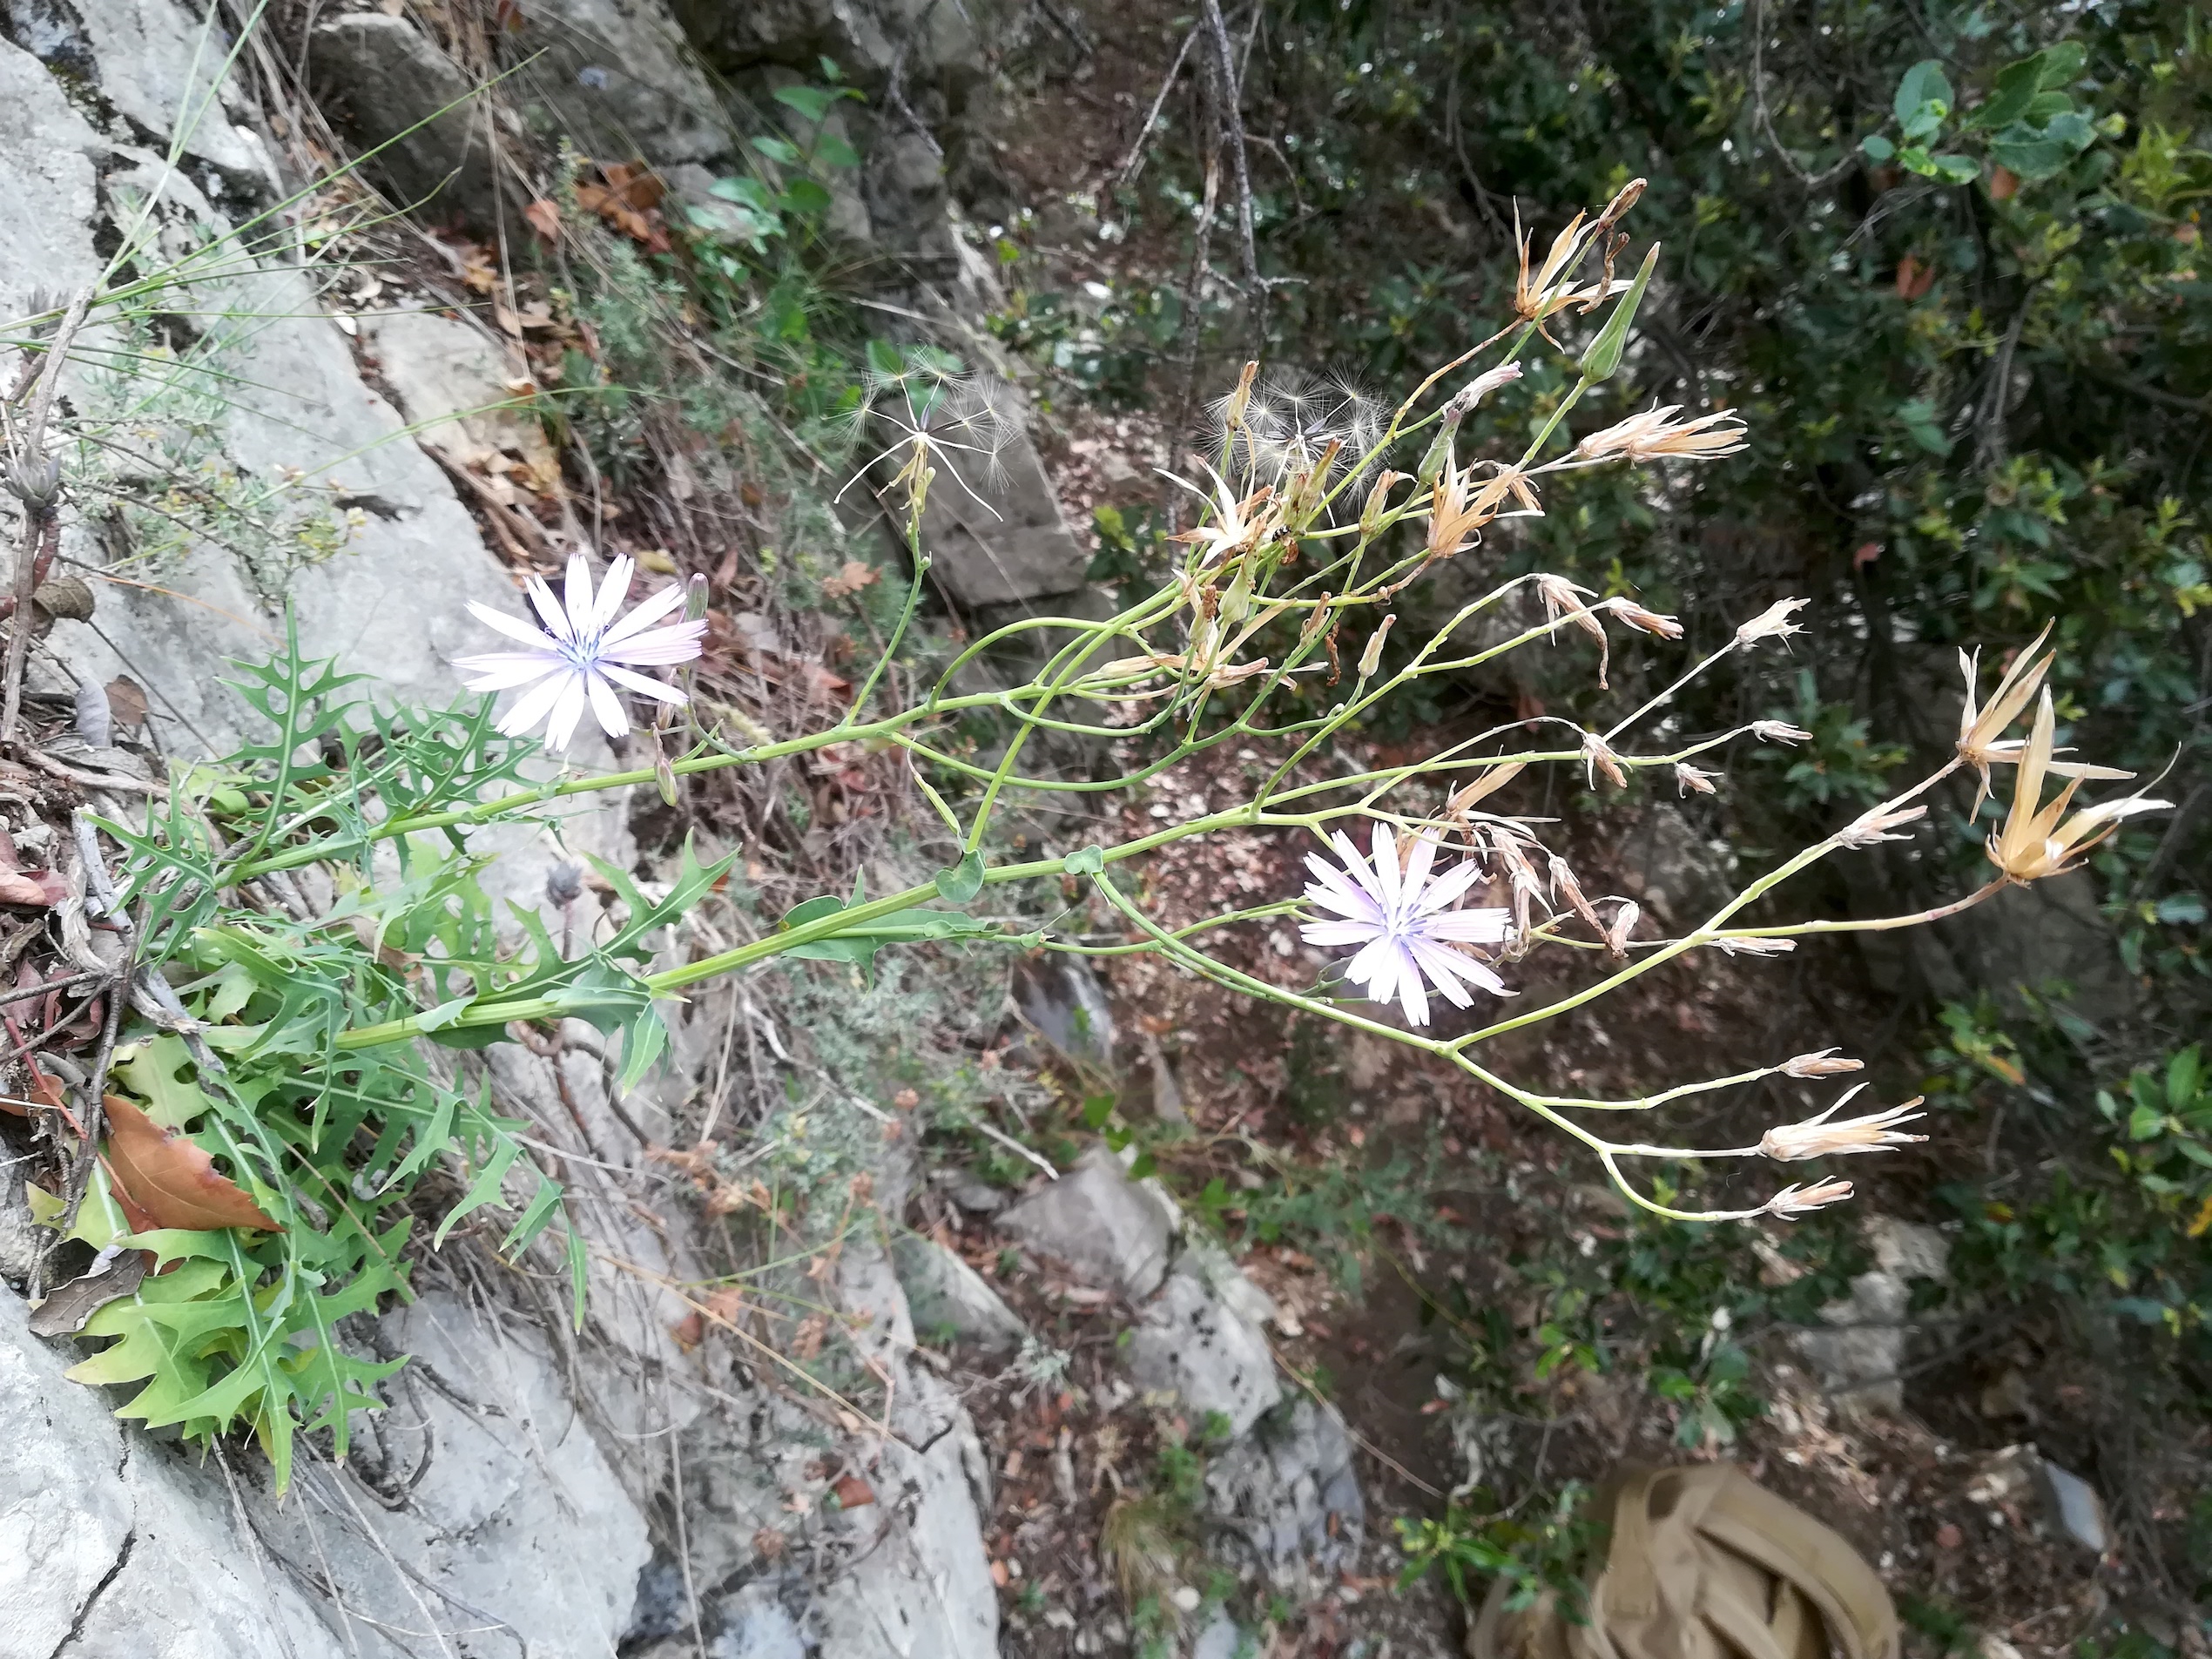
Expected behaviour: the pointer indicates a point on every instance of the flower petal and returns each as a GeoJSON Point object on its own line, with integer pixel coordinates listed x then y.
{"type": "Point", "coordinates": [513, 627]}
{"type": "Point", "coordinates": [1411, 990]}
{"type": "Point", "coordinates": [561, 725]}
{"type": "Point", "coordinates": [613, 591]}
{"type": "Point", "coordinates": [550, 608]}
{"type": "Point", "coordinates": [1382, 846]}
{"type": "Point", "coordinates": [644, 686]}
{"type": "Point", "coordinates": [648, 611]}
{"type": "Point", "coordinates": [1355, 865]}
{"type": "Point", "coordinates": [1448, 887]}
{"type": "Point", "coordinates": [614, 720]}
{"type": "Point", "coordinates": [535, 704]}
{"type": "Point", "coordinates": [1437, 963]}
{"type": "Point", "coordinates": [1479, 927]}
{"type": "Point", "coordinates": [575, 595]}
{"type": "Point", "coordinates": [658, 647]}
{"type": "Point", "coordinates": [1336, 933]}
{"type": "Point", "coordinates": [502, 670]}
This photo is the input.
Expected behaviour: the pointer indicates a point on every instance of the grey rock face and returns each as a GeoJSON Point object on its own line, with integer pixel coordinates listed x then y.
{"type": "Point", "coordinates": [1287, 1497]}
{"type": "Point", "coordinates": [1011, 544]}
{"type": "Point", "coordinates": [1188, 1343]}
{"type": "Point", "coordinates": [945, 1294]}
{"type": "Point", "coordinates": [1098, 1222]}
{"type": "Point", "coordinates": [1862, 1356]}
{"type": "Point", "coordinates": [157, 67]}
{"type": "Point", "coordinates": [114, 1548]}
{"type": "Point", "coordinates": [387, 83]}
{"type": "Point", "coordinates": [448, 378]}
{"type": "Point", "coordinates": [615, 78]}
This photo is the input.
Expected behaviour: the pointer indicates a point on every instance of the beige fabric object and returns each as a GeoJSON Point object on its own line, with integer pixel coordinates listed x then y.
{"type": "Point", "coordinates": [1700, 1563]}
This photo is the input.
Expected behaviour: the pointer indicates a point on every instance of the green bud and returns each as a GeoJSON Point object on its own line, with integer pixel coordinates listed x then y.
{"type": "Point", "coordinates": [1604, 355]}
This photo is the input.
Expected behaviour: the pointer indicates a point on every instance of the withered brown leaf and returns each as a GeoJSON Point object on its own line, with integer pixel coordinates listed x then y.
{"type": "Point", "coordinates": [170, 1179]}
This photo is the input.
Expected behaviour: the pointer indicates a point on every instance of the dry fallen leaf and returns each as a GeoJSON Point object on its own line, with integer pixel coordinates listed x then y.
{"type": "Point", "coordinates": [170, 1179]}
{"type": "Point", "coordinates": [854, 576]}
{"type": "Point", "coordinates": [64, 1312]}
{"type": "Point", "coordinates": [690, 1330]}
{"type": "Point", "coordinates": [854, 1493]}
{"type": "Point", "coordinates": [126, 701]}
{"type": "Point", "coordinates": [545, 218]}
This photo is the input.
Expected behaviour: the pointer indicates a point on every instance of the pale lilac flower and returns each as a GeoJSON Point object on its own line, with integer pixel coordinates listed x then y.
{"type": "Point", "coordinates": [585, 655]}
{"type": "Point", "coordinates": [1403, 922]}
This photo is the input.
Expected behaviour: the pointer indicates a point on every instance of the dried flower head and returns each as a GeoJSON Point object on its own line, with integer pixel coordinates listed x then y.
{"type": "Point", "coordinates": [1654, 432]}
{"type": "Point", "coordinates": [1624, 921]}
{"type": "Point", "coordinates": [1824, 1062]}
{"type": "Point", "coordinates": [940, 415]}
{"type": "Point", "coordinates": [1794, 1201]}
{"type": "Point", "coordinates": [1560, 599]}
{"type": "Point", "coordinates": [1877, 824]}
{"type": "Point", "coordinates": [1562, 880]}
{"type": "Point", "coordinates": [1464, 401]}
{"type": "Point", "coordinates": [1981, 740]}
{"type": "Point", "coordinates": [2037, 841]}
{"type": "Point", "coordinates": [1773, 622]}
{"type": "Point", "coordinates": [1823, 1137]}
{"type": "Point", "coordinates": [1649, 622]}
{"type": "Point", "coordinates": [1403, 922]}
{"type": "Point", "coordinates": [1549, 290]}
{"type": "Point", "coordinates": [1779, 731]}
{"type": "Point", "coordinates": [1755, 946]}
{"type": "Point", "coordinates": [1371, 659]}
{"type": "Point", "coordinates": [1237, 526]}
{"type": "Point", "coordinates": [1599, 757]}
{"type": "Point", "coordinates": [1692, 780]}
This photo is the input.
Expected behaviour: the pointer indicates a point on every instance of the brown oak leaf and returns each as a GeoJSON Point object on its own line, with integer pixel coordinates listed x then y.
{"type": "Point", "coordinates": [544, 216]}
{"type": "Point", "coordinates": [853, 1493]}
{"type": "Point", "coordinates": [172, 1180]}
{"type": "Point", "coordinates": [852, 578]}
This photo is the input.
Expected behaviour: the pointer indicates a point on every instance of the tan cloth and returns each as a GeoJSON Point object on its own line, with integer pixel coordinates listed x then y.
{"type": "Point", "coordinates": [1703, 1564]}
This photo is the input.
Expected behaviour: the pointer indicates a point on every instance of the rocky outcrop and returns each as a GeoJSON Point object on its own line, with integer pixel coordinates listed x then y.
{"type": "Point", "coordinates": [409, 110]}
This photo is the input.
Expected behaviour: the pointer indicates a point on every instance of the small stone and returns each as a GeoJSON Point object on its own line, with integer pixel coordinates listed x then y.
{"type": "Point", "coordinates": [945, 1294]}
{"type": "Point", "coordinates": [1186, 1599]}
{"type": "Point", "coordinates": [2077, 1508]}
{"type": "Point", "coordinates": [1099, 1222]}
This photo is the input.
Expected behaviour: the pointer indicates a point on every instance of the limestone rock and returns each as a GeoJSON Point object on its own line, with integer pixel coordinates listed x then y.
{"type": "Point", "coordinates": [111, 1545]}
{"type": "Point", "coordinates": [388, 83]}
{"type": "Point", "coordinates": [1011, 544]}
{"type": "Point", "coordinates": [448, 378]}
{"type": "Point", "coordinates": [158, 67]}
{"type": "Point", "coordinates": [1099, 1223]}
{"type": "Point", "coordinates": [945, 1294]}
{"type": "Point", "coordinates": [616, 78]}
{"type": "Point", "coordinates": [1861, 1357]}
{"type": "Point", "coordinates": [1063, 1000]}
{"type": "Point", "coordinates": [1287, 1497]}
{"type": "Point", "coordinates": [1188, 1343]}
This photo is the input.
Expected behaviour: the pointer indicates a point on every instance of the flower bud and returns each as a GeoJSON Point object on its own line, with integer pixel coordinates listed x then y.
{"type": "Point", "coordinates": [1692, 780]}
{"type": "Point", "coordinates": [1779, 731]}
{"type": "Point", "coordinates": [1773, 622]}
{"type": "Point", "coordinates": [1604, 353]}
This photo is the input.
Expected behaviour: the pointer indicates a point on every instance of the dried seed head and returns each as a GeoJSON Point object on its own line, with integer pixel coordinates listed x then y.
{"type": "Point", "coordinates": [1624, 921]}
{"type": "Point", "coordinates": [1371, 659]}
{"type": "Point", "coordinates": [1779, 731]}
{"type": "Point", "coordinates": [1480, 387]}
{"type": "Point", "coordinates": [1651, 433]}
{"type": "Point", "coordinates": [1757, 947]}
{"type": "Point", "coordinates": [1692, 780]}
{"type": "Point", "coordinates": [1563, 881]}
{"type": "Point", "coordinates": [563, 884]}
{"type": "Point", "coordinates": [1636, 616]}
{"type": "Point", "coordinates": [1560, 599]}
{"type": "Point", "coordinates": [1824, 1063]}
{"type": "Point", "coordinates": [1598, 756]}
{"type": "Point", "coordinates": [1795, 1201]}
{"type": "Point", "coordinates": [1378, 499]}
{"type": "Point", "coordinates": [1773, 622]}
{"type": "Point", "coordinates": [1822, 1137]}
{"type": "Point", "coordinates": [1877, 824]}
